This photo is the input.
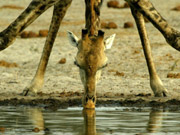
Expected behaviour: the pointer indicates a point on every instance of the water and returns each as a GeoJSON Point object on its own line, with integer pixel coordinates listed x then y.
{"type": "Point", "coordinates": [74, 121]}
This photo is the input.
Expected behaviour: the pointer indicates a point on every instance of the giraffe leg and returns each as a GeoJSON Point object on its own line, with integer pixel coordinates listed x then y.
{"type": "Point", "coordinates": [171, 35]}
{"type": "Point", "coordinates": [155, 82]}
{"type": "Point", "coordinates": [33, 11]}
{"type": "Point", "coordinates": [59, 11]}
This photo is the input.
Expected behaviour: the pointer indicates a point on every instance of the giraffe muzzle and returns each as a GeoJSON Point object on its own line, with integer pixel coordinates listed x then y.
{"type": "Point", "coordinates": [90, 102]}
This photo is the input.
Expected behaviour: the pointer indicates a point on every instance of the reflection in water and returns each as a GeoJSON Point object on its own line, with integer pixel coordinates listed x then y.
{"type": "Point", "coordinates": [37, 119]}
{"type": "Point", "coordinates": [107, 121]}
{"type": "Point", "coordinates": [155, 121]}
{"type": "Point", "coordinates": [89, 121]}
{"type": "Point", "coordinates": [153, 126]}
{"type": "Point", "coordinates": [89, 124]}
{"type": "Point", "coordinates": [36, 116]}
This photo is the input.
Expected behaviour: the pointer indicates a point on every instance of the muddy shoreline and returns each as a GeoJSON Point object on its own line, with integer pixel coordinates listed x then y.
{"type": "Point", "coordinates": [56, 101]}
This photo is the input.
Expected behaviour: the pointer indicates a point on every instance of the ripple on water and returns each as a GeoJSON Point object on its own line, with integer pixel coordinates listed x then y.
{"type": "Point", "coordinates": [104, 120]}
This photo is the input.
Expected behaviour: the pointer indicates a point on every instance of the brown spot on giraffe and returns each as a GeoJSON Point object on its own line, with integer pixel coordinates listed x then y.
{"type": "Point", "coordinates": [91, 57]}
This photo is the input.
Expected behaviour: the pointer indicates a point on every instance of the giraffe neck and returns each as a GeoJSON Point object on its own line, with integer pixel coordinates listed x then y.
{"type": "Point", "coordinates": [92, 16]}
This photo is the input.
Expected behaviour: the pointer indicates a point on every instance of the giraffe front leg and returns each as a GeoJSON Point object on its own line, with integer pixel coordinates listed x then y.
{"type": "Point", "coordinates": [34, 86]}
{"type": "Point", "coordinates": [146, 8]}
{"type": "Point", "coordinates": [59, 11]}
{"type": "Point", "coordinates": [33, 11]}
{"type": "Point", "coordinates": [155, 82]}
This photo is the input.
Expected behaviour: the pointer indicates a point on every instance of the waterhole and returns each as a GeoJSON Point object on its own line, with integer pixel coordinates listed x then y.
{"type": "Point", "coordinates": [75, 121]}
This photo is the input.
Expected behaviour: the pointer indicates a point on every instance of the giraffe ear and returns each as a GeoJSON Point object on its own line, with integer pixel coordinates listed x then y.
{"type": "Point", "coordinates": [73, 39]}
{"type": "Point", "coordinates": [109, 41]}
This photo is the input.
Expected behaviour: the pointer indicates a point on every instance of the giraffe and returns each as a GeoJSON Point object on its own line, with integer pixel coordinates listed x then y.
{"type": "Point", "coordinates": [91, 58]}
{"type": "Point", "coordinates": [139, 8]}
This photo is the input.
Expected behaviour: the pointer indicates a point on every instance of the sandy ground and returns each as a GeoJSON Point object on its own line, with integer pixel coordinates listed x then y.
{"type": "Point", "coordinates": [126, 55]}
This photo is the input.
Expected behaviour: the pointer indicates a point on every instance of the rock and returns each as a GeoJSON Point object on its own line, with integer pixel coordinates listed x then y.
{"type": "Point", "coordinates": [43, 33]}
{"type": "Point", "coordinates": [177, 8]}
{"type": "Point", "coordinates": [24, 34]}
{"type": "Point", "coordinates": [62, 61]}
{"type": "Point", "coordinates": [28, 34]}
{"type": "Point", "coordinates": [119, 73]}
{"type": "Point", "coordinates": [128, 25]}
{"type": "Point", "coordinates": [113, 4]}
{"type": "Point", "coordinates": [173, 75]}
{"type": "Point", "coordinates": [103, 25]}
{"type": "Point", "coordinates": [32, 34]}
{"type": "Point", "coordinates": [112, 25]}
{"type": "Point", "coordinates": [109, 25]}
{"type": "Point", "coordinates": [36, 130]}
{"type": "Point", "coordinates": [7, 64]}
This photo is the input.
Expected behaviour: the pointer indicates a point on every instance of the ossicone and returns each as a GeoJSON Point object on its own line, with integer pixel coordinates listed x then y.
{"type": "Point", "coordinates": [101, 33]}
{"type": "Point", "coordinates": [84, 33]}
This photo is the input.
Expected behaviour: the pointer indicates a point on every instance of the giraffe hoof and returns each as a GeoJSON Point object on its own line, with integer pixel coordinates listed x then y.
{"type": "Point", "coordinates": [28, 92]}
{"type": "Point", "coordinates": [162, 93]}
{"type": "Point", "coordinates": [165, 93]}
{"type": "Point", "coordinates": [157, 87]}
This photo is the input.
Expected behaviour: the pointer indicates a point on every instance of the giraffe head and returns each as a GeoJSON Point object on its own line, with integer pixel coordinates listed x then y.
{"type": "Point", "coordinates": [90, 59]}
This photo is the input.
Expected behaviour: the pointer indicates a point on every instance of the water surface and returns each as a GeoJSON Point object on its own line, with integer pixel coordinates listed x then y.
{"type": "Point", "coordinates": [75, 121]}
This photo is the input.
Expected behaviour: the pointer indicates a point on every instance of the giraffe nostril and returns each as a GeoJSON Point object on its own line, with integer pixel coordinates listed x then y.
{"type": "Point", "coordinates": [86, 99]}
{"type": "Point", "coordinates": [93, 99]}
